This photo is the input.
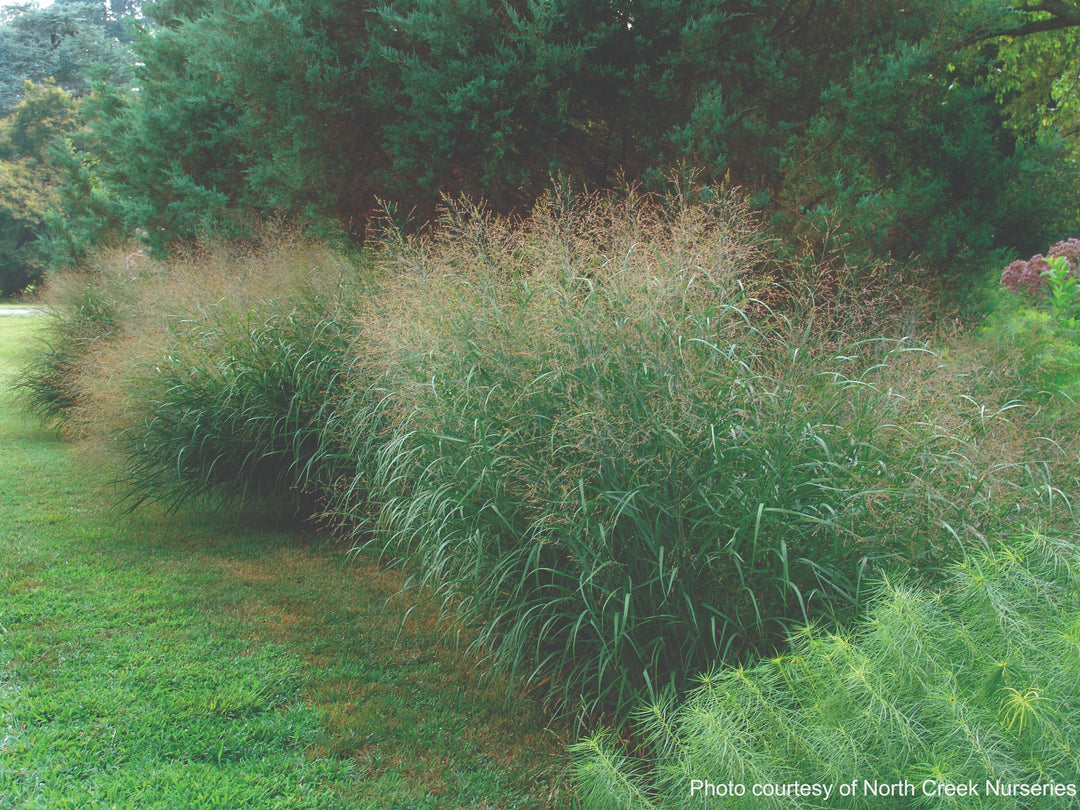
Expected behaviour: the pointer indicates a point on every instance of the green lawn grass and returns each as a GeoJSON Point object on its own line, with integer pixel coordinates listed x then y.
{"type": "Point", "coordinates": [211, 660]}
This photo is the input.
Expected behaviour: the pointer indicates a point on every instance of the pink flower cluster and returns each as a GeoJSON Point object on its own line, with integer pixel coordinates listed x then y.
{"type": "Point", "coordinates": [1021, 276]}
{"type": "Point", "coordinates": [1070, 249]}
{"type": "Point", "coordinates": [1027, 276]}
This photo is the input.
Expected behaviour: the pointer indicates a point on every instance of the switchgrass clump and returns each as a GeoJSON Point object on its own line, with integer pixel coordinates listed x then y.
{"type": "Point", "coordinates": [213, 376]}
{"type": "Point", "coordinates": [620, 466]}
{"type": "Point", "coordinates": [238, 398]}
{"type": "Point", "coordinates": [612, 442]}
{"type": "Point", "coordinates": [977, 681]}
{"type": "Point", "coordinates": [238, 407]}
{"type": "Point", "coordinates": [84, 316]}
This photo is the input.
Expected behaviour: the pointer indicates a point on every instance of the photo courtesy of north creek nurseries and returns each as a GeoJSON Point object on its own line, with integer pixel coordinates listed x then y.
{"type": "Point", "coordinates": [513, 404]}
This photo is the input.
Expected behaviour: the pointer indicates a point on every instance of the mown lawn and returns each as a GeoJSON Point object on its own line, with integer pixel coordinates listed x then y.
{"type": "Point", "coordinates": [212, 660]}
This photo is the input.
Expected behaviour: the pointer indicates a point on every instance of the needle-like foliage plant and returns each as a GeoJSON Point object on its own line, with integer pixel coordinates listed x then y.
{"type": "Point", "coordinates": [976, 682]}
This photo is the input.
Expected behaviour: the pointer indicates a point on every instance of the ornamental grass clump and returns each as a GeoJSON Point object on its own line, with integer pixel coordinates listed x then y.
{"type": "Point", "coordinates": [238, 407]}
{"type": "Point", "coordinates": [216, 375]}
{"type": "Point", "coordinates": [84, 315]}
{"type": "Point", "coordinates": [977, 682]}
{"type": "Point", "coordinates": [620, 466]}
{"type": "Point", "coordinates": [614, 445]}
{"type": "Point", "coordinates": [240, 400]}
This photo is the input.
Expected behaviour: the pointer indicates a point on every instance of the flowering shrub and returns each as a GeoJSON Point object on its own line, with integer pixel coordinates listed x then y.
{"type": "Point", "coordinates": [1025, 276]}
{"type": "Point", "coordinates": [1069, 248]}
{"type": "Point", "coordinates": [1053, 279]}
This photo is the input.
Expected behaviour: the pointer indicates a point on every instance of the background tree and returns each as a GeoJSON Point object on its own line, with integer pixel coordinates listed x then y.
{"type": "Point", "coordinates": [244, 109]}
{"type": "Point", "coordinates": [66, 41]}
{"type": "Point", "coordinates": [1037, 83]}
{"type": "Point", "coordinates": [29, 180]}
{"type": "Point", "coordinates": [882, 122]}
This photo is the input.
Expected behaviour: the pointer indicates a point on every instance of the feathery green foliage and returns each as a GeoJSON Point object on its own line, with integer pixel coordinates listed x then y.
{"type": "Point", "coordinates": [977, 681]}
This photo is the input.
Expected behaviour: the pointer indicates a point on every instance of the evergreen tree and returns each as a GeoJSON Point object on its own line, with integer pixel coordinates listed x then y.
{"type": "Point", "coordinates": [67, 42]}
{"type": "Point", "coordinates": [878, 119]}
{"type": "Point", "coordinates": [29, 180]}
{"type": "Point", "coordinates": [243, 108]}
